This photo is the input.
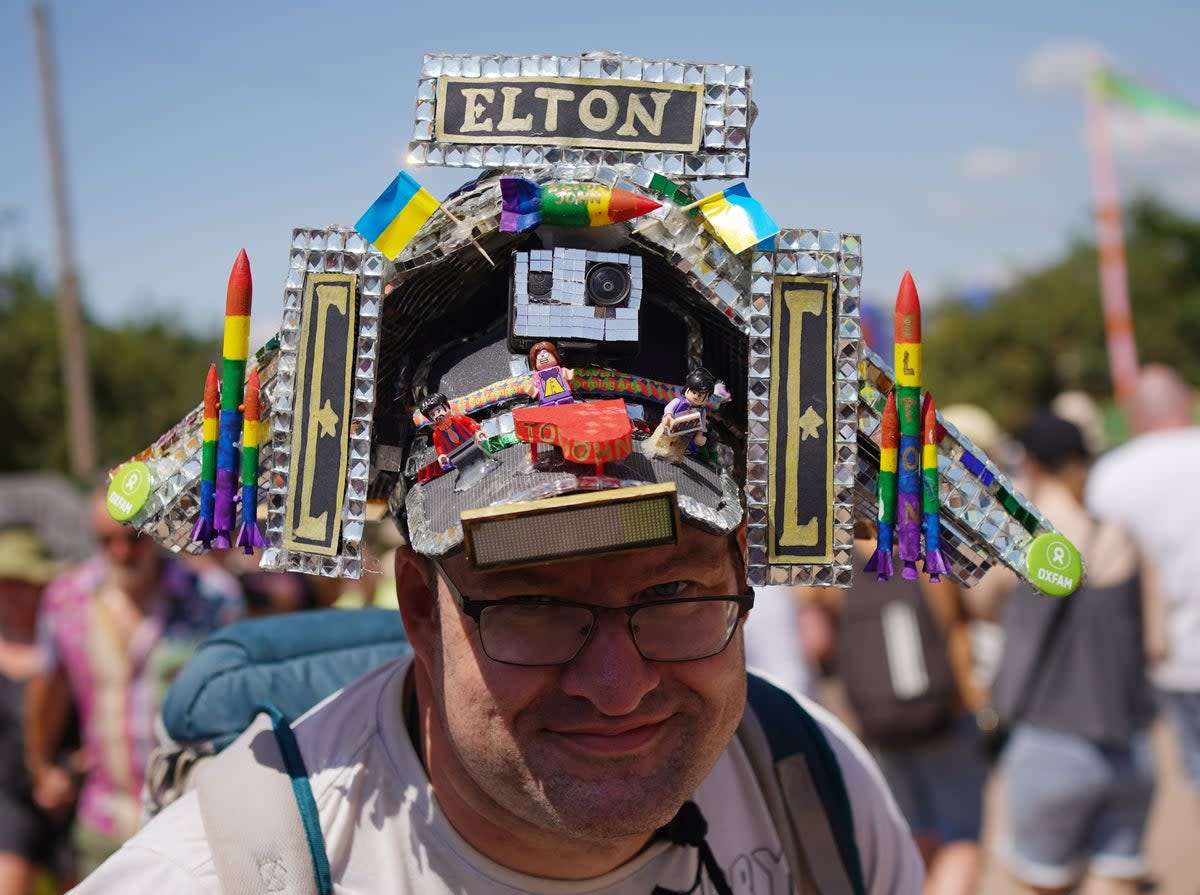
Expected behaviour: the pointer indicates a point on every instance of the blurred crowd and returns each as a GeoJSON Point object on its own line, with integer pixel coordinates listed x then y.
{"type": "Point", "coordinates": [948, 687]}
{"type": "Point", "coordinates": [88, 648]}
{"type": "Point", "coordinates": [1052, 700]}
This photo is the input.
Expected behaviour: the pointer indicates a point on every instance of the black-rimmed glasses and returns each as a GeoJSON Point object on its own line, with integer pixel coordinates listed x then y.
{"type": "Point", "coordinates": [535, 631]}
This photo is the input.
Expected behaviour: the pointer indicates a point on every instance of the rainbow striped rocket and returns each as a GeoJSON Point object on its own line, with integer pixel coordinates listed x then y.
{"type": "Point", "coordinates": [889, 439]}
{"type": "Point", "coordinates": [203, 530]}
{"type": "Point", "coordinates": [238, 298]}
{"type": "Point", "coordinates": [527, 204]}
{"type": "Point", "coordinates": [935, 562]}
{"type": "Point", "coordinates": [249, 535]}
{"type": "Point", "coordinates": [908, 403]}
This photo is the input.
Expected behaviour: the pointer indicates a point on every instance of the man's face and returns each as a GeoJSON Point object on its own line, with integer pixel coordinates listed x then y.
{"type": "Point", "coordinates": [694, 397]}
{"type": "Point", "coordinates": [440, 412]}
{"type": "Point", "coordinates": [605, 747]}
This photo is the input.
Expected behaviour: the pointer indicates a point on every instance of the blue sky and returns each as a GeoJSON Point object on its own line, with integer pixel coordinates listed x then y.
{"type": "Point", "coordinates": [950, 136]}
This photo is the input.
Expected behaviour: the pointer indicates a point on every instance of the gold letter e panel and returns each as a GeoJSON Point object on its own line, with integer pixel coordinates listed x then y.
{"type": "Point", "coordinates": [800, 493]}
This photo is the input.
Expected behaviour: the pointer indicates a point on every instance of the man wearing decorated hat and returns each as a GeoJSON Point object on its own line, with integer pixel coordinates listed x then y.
{"type": "Point", "coordinates": [576, 714]}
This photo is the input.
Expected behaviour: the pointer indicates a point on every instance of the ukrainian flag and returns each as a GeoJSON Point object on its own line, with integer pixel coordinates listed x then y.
{"type": "Point", "coordinates": [737, 218]}
{"type": "Point", "coordinates": [395, 217]}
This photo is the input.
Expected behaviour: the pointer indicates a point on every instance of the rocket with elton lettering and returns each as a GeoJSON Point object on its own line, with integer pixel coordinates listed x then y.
{"type": "Point", "coordinates": [908, 404]}
{"type": "Point", "coordinates": [238, 298]}
{"type": "Point", "coordinates": [527, 204]}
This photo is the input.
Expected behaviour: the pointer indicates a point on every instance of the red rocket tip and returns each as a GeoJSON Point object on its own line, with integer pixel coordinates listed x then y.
{"type": "Point", "coordinates": [890, 436]}
{"type": "Point", "coordinates": [908, 311]}
{"type": "Point", "coordinates": [932, 431]}
{"type": "Point", "coordinates": [252, 408]}
{"type": "Point", "coordinates": [210, 392]}
{"type": "Point", "coordinates": [623, 205]}
{"type": "Point", "coordinates": [239, 293]}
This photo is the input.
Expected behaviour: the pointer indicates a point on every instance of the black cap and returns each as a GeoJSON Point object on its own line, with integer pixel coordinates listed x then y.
{"type": "Point", "coordinates": [1052, 440]}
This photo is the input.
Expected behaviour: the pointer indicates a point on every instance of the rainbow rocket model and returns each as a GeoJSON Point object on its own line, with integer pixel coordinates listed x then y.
{"type": "Point", "coordinates": [889, 439]}
{"type": "Point", "coordinates": [238, 297]}
{"type": "Point", "coordinates": [249, 535]}
{"type": "Point", "coordinates": [527, 204]}
{"type": "Point", "coordinates": [935, 562]}
{"type": "Point", "coordinates": [203, 530]}
{"type": "Point", "coordinates": [908, 403]}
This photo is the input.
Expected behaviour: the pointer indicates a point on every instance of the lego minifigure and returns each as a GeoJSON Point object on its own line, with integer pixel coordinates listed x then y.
{"type": "Point", "coordinates": [550, 382]}
{"type": "Point", "coordinates": [684, 422]}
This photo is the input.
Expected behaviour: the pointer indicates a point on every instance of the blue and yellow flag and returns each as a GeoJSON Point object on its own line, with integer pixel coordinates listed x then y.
{"type": "Point", "coordinates": [737, 218]}
{"type": "Point", "coordinates": [395, 217]}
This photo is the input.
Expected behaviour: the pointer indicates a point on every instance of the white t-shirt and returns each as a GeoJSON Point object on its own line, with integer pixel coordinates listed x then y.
{"type": "Point", "coordinates": [384, 830]}
{"type": "Point", "coordinates": [1147, 486]}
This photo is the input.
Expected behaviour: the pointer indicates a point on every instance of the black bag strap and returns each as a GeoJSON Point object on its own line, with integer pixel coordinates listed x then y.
{"type": "Point", "coordinates": [792, 731]}
{"type": "Point", "coordinates": [1025, 691]}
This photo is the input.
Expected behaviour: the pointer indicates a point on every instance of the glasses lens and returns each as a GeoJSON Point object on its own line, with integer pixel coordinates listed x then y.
{"type": "Point", "coordinates": [534, 633]}
{"type": "Point", "coordinates": [678, 632]}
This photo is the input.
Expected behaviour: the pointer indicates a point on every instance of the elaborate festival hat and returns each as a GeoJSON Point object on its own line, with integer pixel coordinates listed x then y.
{"type": "Point", "coordinates": [588, 228]}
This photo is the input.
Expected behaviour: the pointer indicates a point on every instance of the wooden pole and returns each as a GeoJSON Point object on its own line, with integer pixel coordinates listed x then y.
{"type": "Point", "coordinates": [81, 438]}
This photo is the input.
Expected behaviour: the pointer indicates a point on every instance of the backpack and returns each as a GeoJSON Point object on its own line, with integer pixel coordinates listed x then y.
{"type": "Point", "coordinates": [893, 661]}
{"type": "Point", "coordinates": [242, 675]}
{"type": "Point", "coordinates": [290, 662]}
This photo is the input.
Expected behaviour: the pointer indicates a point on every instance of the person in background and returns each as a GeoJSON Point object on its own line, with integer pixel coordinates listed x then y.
{"type": "Point", "coordinates": [775, 640]}
{"type": "Point", "coordinates": [29, 837]}
{"type": "Point", "coordinates": [1078, 769]}
{"type": "Point", "coordinates": [112, 633]}
{"type": "Point", "coordinates": [1080, 408]}
{"type": "Point", "coordinates": [1147, 487]}
{"type": "Point", "coordinates": [902, 654]}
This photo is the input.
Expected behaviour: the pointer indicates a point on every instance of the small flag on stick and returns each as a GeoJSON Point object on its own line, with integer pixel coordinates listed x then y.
{"type": "Point", "coordinates": [395, 217]}
{"type": "Point", "coordinates": [737, 218]}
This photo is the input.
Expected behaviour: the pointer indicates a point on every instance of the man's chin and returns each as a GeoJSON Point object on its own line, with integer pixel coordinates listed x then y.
{"type": "Point", "coordinates": [614, 799]}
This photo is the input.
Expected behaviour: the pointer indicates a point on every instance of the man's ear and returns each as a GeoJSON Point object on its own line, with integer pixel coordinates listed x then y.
{"type": "Point", "coordinates": [416, 594]}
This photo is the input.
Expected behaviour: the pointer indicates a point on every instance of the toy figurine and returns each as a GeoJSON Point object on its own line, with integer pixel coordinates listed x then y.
{"type": "Point", "coordinates": [453, 434]}
{"type": "Point", "coordinates": [684, 423]}
{"type": "Point", "coordinates": [550, 382]}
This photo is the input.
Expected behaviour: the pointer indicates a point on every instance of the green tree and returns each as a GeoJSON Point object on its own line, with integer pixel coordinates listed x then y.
{"type": "Point", "coordinates": [145, 375]}
{"type": "Point", "coordinates": [1045, 333]}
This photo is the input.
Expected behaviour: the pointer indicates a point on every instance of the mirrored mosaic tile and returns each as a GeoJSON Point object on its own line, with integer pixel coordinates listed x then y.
{"type": "Point", "coordinates": [787, 259]}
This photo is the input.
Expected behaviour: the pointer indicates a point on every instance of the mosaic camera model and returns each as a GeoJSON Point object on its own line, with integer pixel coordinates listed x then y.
{"type": "Point", "coordinates": [576, 297]}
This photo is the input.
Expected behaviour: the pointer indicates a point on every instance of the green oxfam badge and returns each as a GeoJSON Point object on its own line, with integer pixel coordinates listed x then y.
{"type": "Point", "coordinates": [128, 490]}
{"type": "Point", "coordinates": [1055, 566]}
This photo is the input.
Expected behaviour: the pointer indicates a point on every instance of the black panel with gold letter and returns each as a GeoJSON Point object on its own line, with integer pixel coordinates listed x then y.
{"type": "Point", "coordinates": [802, 421]}
{"type": "Point", "coordinates": [324, 375]}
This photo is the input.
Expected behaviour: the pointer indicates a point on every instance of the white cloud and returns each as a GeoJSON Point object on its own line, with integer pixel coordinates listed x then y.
{"type": "Point", "coordinates": [997, 163]}
{"type": "Point", "coordinates": [1061, 66]}
{"type": "Point", "coordinates": [956, 208]}
{"type": "Point", "coordinates": [1155, 138]}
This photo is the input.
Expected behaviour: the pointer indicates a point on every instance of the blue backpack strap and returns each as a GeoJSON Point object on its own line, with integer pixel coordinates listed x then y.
{"type": "Point", "coordinates": [790, 730]}
{"type": "Point", "coordinates": [293, 763]}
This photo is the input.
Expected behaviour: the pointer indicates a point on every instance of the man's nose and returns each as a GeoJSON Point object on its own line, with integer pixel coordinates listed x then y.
{"type": "Point", "coordinates": [609, 671]}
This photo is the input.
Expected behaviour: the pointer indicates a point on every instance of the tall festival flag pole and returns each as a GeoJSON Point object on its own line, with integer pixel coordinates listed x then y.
{"type": "Point", "coordinates": [1106, 86]}
{"type": "Point", "coordinates": [1110, 242]}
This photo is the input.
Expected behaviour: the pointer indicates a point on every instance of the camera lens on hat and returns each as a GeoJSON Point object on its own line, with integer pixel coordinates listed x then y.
{"type": "Point", "coordinates": [608, 285]}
